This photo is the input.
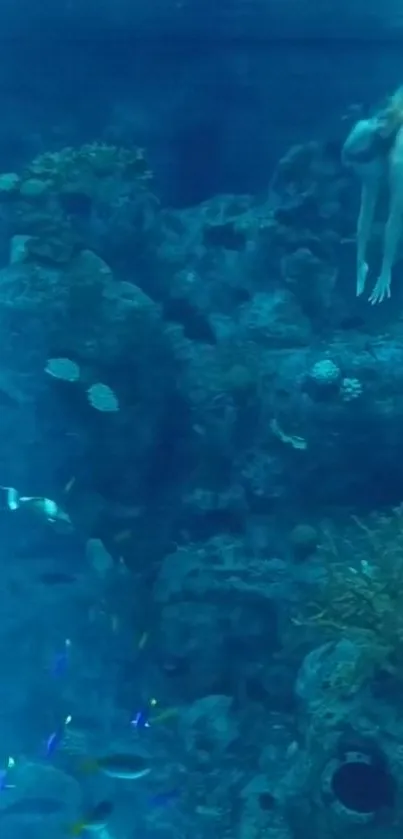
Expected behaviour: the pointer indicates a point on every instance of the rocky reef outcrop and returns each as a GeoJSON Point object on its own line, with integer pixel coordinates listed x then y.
{"type": "Point", "coordinates": [254, 400]}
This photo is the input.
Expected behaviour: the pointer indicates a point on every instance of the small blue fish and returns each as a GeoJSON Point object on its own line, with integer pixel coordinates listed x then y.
{"type": "Point", "coordinates": [53, 742]}
{"type": "Point", "coordinates": [5, 775]}
{"type": "Point", "coordinates": [140, 720]}
{"type": "Point", "coordinates": [56, 737]}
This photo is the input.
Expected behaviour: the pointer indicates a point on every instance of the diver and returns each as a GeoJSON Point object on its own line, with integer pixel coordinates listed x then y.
{"type": "Point", "coordinates": [374, 149]}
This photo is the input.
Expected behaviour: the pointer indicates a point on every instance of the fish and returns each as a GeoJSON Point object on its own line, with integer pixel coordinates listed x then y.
{"type": "Point", "coordinates": [128, 767]}
{"type": "Point", "coordinates": [44, 507]}
{"type": "Point", "coordinates": [103, 398]}
{"type": "Point", "coordinates": [63, 368]}
{"type": "Point", "coordinates": [94, 820]}
{"type": "Point", "coordinates": [5, 775]}
{"type": "Point", "coordinates": [167, 714]}
{"type": "Point", "coordinates": [141, 719]}
{"type": "Point", "coordinates": [3, 781]}
{"type": "Point", "coordinates": [55, 738]}
{"type": "Point", "coordinates": [69, 485]}
{"type": "Point", "coordinates": [52, 742]}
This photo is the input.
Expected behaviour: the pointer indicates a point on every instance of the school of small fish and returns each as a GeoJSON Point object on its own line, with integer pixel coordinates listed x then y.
{"type": "Point", "coordinates": [126, 766]}
{"type": "Point", "coordinates": [120, 766]}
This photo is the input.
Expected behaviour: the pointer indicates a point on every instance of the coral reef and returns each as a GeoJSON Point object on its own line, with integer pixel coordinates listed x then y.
{"type": "Point", "coordinates": [56, 194]}
{"type": "Point", "coordinates": [360, 598]}
{"type": "Point", "coordinates": [199, 391]}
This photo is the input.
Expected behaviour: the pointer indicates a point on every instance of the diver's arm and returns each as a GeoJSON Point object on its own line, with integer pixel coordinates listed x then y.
{"type": "Point", "coordinates": [394, 224]}
{"type": "Point", "coordinates": [371, 181]}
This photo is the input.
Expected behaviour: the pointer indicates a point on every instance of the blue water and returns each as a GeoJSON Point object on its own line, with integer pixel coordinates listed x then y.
{"type": "Point", "coordinates": [201, 447]}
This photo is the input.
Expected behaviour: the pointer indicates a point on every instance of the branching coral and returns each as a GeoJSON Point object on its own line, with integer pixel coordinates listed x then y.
{"type": "Point", "coordinates": [361, 594]}
{"type": "Point", "coordinates": [56, 192]}
{"type": "Point", "coordinates": [81, 169]}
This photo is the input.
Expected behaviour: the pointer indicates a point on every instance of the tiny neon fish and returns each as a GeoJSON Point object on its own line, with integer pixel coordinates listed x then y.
{"type": "Point", "coordinates": [54, 739]}
{"type": "Point", "coordinates": [141, 718]}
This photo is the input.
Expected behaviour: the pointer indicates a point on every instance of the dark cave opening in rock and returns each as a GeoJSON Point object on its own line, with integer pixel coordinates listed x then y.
{"type": "Point", "coordinates": [364, 787]}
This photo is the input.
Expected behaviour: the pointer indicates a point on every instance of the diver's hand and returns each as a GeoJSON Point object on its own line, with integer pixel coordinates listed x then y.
{"type": "Point", "coordinates": [382, 289]}
{"type": "Point", "coordinates": [362, 271]}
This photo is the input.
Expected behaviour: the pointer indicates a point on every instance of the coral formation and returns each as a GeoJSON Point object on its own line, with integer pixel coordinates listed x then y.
{"type": "Point", "coordinates": [239, 400]}
{"type": "Point", "coordinates": [51, 201]}
{"type": "Point", "coordinates": [360, 597]}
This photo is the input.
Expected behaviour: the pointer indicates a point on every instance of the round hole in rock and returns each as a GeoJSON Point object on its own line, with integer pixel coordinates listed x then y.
{"type": "Point", "coordinates": [363, 787]}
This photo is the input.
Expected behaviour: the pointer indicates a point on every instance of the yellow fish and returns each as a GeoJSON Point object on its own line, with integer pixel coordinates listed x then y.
{"type": "Point", "coordinates": [95, 820]}
{"type": "Point", "coordinates": [168, 714]}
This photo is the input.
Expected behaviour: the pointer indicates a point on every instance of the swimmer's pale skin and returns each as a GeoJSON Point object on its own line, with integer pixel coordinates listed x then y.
{"type": "Point", "coordinates": [394, 224]}
{"type": "Point", "coordinates": [373, 175]}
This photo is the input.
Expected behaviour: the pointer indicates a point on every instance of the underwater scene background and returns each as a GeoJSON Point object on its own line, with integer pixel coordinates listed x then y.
{"type": "Point", "coordinates": [201, 416]}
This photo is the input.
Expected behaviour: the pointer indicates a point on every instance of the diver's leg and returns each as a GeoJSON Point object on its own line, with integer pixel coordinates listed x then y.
{"type": "Point", "coordinates": [394, 224]}
{"type": "Point", "coordinates": [369, 196]}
